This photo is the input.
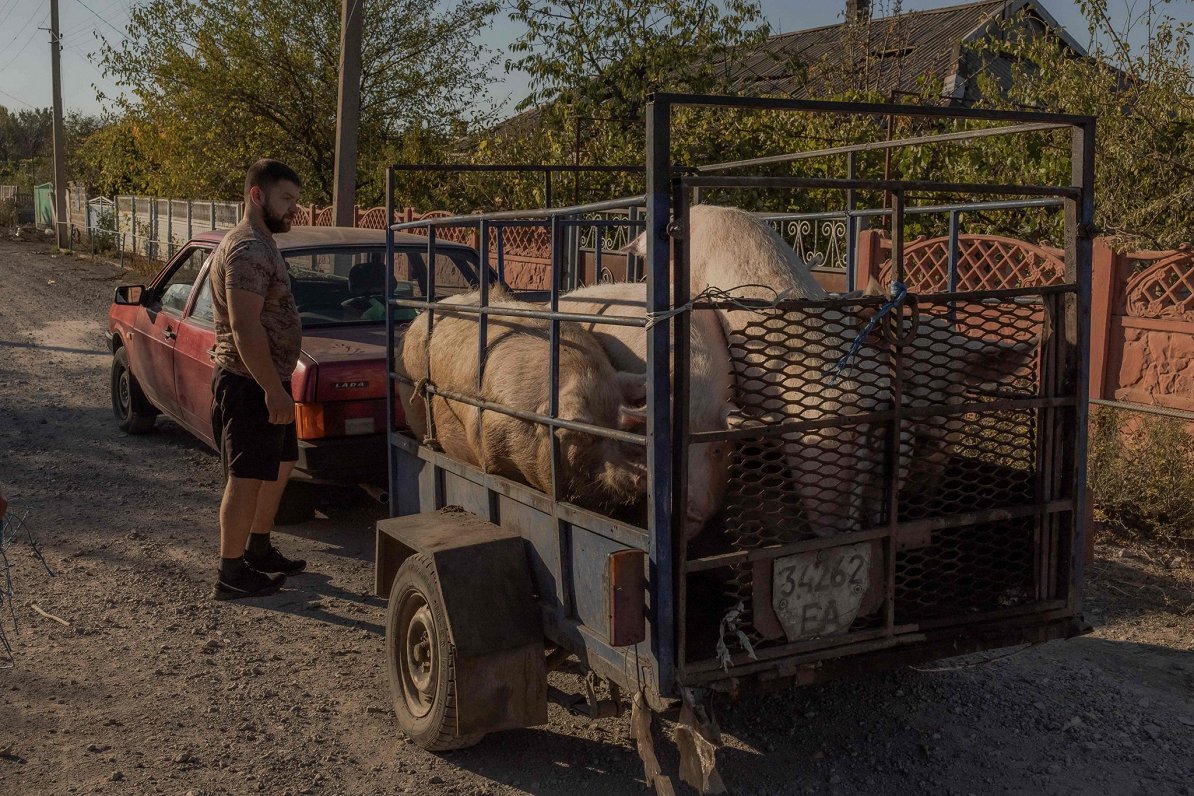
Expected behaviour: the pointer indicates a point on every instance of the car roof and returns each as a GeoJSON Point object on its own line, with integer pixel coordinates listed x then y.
{"type": "Point", "coordinates": [316, 237]}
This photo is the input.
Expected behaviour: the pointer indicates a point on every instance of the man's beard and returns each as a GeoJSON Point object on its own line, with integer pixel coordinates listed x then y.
{"type": "Point", "coordinates": [276, 224]}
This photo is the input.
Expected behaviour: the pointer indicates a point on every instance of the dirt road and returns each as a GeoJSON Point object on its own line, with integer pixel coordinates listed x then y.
{"type": "Point", "coordinates": [146, 686]}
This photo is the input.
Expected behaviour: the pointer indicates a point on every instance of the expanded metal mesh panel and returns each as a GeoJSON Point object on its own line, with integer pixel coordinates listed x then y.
{"type": "Point", "coordinates": [968, 569]}
{"type": "Point", "coordinates": [936, 419]}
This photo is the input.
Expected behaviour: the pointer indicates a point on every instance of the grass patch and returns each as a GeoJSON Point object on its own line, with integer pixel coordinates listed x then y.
{"type": "Point", "coordinates": [1142, 474]}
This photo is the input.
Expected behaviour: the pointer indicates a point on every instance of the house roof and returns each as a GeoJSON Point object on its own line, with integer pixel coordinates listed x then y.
{"type": "Point", "coordinates": [894, 52]}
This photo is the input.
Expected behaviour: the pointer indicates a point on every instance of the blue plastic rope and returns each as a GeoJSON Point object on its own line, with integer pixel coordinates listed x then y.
{"type": "Point", "coordinates": [899, 294]}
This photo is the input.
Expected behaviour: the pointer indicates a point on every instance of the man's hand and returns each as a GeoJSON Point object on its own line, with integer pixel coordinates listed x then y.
{"type": "Point", "coordinates": [280, 406]}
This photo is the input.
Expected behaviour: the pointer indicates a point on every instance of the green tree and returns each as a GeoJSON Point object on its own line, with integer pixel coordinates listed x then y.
{"type": "Point", "coordinates": [1143, 101]}
{"type": "Point", "coordinates": [213, 85]}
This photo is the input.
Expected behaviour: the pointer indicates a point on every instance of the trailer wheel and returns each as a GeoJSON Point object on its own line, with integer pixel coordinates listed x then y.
{"type": "Point", "coordinates": [134, 414]}
{"type": "Point", "coordinates": [422, 660]}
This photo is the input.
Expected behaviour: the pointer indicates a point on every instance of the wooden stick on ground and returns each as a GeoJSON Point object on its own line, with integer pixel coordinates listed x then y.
{"type": "Point", "coordinates": [57, 619]}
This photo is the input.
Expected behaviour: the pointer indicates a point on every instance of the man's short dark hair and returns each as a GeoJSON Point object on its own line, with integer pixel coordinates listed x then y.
{"type": "Point", "coordinates": [267, 172]}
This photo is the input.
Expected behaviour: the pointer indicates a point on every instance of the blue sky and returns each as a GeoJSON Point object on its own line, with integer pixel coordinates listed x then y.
{"type": "Point", "coordinates": [25, 51]}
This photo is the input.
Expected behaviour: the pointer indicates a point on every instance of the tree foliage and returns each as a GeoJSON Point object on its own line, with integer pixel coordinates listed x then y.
{"type": "Point", "coordinates": [1143, 102]}
{"type": "Point", "coordinates": [214, 85]}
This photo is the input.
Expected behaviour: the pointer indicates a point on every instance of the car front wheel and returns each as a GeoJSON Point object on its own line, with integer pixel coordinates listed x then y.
{"type": "Point", "coordinates": [134, 414]}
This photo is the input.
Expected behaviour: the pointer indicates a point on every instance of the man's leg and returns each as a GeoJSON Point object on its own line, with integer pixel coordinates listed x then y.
{"type": "Point", "coordinates": [261, 554]}
{"type": "Point", "coordinates": [269, 498]}
{"type": "Point", "coordinates": [237, 510]}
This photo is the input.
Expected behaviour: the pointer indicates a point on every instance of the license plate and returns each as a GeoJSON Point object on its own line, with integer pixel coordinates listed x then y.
{"type": "Point", "coordinates": [819, 593]}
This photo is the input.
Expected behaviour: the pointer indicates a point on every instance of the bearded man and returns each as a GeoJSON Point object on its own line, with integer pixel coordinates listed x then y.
{"type": "Point", "coordinates": [258, 335]}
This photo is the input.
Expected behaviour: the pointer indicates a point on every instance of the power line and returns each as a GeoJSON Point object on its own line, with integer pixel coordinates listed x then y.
{"type": "Point", "coordinates": [7, 9]}
{"type": "Point", "coordinates": [28, 41]}
{"type": "Point", "coordinates": [26, 25]}
{"type": "Point", "coordinates": [101, 19]}
{"type": "Point", "coordinates": [18, 99]}
{"type": "Point", "coordinates": [118, 6]}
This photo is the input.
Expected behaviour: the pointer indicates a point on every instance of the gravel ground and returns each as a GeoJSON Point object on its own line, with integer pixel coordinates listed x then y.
{"type": "Point", "coordinates": [146, 686]}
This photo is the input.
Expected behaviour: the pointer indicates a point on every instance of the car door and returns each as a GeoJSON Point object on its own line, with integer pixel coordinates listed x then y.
{"type": "Point", "coordinates": [154, 334]}
{"type": "Point", "coordinates": [192, 360]}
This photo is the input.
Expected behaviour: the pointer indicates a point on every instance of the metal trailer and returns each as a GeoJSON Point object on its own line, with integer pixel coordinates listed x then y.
{"type": "Point", "coordinates": [492, 583]}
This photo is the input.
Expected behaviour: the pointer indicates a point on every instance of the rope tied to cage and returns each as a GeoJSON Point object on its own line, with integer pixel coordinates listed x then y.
{"type": "Point", "coordinates": [898, 297]}
{"type": "Point", "coordinates": [723, 296]}
{"type": "Point", "coordinates": [420, 391]}
{"type": "Point", "coordinates": [729, 625]}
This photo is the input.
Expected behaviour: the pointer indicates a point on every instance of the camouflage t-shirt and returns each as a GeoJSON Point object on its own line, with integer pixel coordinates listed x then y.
{"type": "Point", "coordinates": [248, 259]}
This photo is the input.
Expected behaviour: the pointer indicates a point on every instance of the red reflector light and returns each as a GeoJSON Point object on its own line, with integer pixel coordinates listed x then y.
{"type": "Point", "coordinates": [626, 597]}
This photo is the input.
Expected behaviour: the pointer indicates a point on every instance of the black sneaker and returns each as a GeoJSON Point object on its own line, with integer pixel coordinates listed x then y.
{"type": "Point", "coordinates": [274, 561]}
{"type": "Point", "coordinates": [249, 583]}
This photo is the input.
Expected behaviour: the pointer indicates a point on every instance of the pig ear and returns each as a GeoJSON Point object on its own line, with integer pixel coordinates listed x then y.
{"type": "Point", "coordinates": [633, 386]}
{"type": "Point", "coordinates": [873, 288]}
{"type": "Point", "coordinates": [632, 418]}
{"type": "Point", "coordinates": [637, 247]}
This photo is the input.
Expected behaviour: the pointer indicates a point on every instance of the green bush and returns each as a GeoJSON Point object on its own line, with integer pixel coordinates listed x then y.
{"type": "Point", "coordinates": [1142, 473]}
{"type": "Point", "coordinates": [9, 212]}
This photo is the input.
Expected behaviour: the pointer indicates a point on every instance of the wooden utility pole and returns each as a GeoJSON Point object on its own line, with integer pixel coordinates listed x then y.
{"type": "Point", "coordinates": [348, 113]}
{"type": "Point", "coordinates": [62, 222]}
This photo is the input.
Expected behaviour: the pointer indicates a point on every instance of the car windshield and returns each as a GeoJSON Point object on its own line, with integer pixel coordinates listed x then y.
{"type": "Point", "coordinates": [347, 285]}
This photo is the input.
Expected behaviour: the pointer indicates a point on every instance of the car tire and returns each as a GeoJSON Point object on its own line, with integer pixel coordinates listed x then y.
{"type": "Point", "coordinates": [133, 411]}
{"type": "Point", "coordinates": [297, 505]}
{"type": "Point", "coordinates": [421, 659]}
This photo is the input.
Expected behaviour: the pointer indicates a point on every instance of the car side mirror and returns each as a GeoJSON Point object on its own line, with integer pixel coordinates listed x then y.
{"type": "Point", "coordinates": [129, 294]}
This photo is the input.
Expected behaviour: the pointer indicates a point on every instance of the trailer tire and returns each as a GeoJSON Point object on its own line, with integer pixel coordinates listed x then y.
{"type": "Point", "coordinates": [421, 659]}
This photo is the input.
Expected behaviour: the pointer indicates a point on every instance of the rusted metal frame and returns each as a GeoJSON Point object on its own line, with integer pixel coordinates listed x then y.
{"type": "Point", "coordinates": [430, 309]}
{"type": "Point", "coordinates": [861, 641]}
{"type": "Point", "coordinates": [533, 417]}
{"type": "Point", "coordinates": [522, 217]}
{"type": "Point", "coordinates": [680, 374]}
{"type": "Point", "coordinates": [902, 529]}
{"type": "Point", "coordinates": [872, 184]}
{"type": "Point", "coordinates": [851, 222]}
{"type": "Point", "coordinates": [514, 312]}
{"type": "Point", "coordinates": [391, 463]}
{"type": "Point", "coordinates": [514, 167]}
{"type": "Point", "coordinates": [742, 664]}
{"type": "Point", "coordinates": [919, 210]}
{"type": "Point", "coordinates": [895, 143]}
{"type": "Point", "coordinates": [1002, 294]}
{"type": "Point", "coordinates": [1046, 457]}
{"type": "Point", "coordinates": [1039, 609]}
{"type": "Point", "coordinates": [1160, 411]}
{"type": "Point", "coordinates": [598, 524]}
{"type": "Point", "coordinates": [867, 108]}
{"type": "Point", "coordinates": [954, 232]}
{"type": "Point", "coordinates": [769, 429]}
{"type": "Point", "coordinates": [935, 647]}
{"type": "Point", "coordinates": [895, 425]}
{"type": "Point", "coordinates": [483, 318]}
{"type": "Point", "coordinates": [660, 476]}
{"type": "Point", "coordinates": [900, 650]}
{"type": "Point", "coordinates": [563, 531]}
{"type": "Point", "coordinates": [1079, 246]}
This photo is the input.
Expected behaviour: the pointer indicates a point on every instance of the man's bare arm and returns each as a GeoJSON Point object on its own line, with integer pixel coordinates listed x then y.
{"type": "Point", "coordinates": [244, 316]}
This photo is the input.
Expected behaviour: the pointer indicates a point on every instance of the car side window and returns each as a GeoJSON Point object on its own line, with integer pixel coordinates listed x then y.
{"type": "Point", "coordinates": [201, 311]}
{"type": "Point", "coordinates": [172, 294]}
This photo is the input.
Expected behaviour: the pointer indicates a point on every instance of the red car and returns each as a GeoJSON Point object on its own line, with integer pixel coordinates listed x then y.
{"type": "Point", "coordinates": [160, 336]}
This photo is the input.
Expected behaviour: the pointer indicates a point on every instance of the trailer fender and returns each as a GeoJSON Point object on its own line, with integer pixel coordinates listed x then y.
{"type": "Point", "coordinates": [494, 620]}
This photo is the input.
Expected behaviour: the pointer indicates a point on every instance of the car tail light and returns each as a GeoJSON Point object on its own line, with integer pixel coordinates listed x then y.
{"type": "Point", "coordinates": [626, 596]}
{"type": "Point", "coordinates": [340, 418]}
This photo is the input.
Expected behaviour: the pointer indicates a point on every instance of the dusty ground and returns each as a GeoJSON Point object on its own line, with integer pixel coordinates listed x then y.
{"type": "Point", "coordinates": [151, 688]}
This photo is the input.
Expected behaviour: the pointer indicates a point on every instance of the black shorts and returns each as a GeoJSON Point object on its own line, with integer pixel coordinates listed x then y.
{"type": "Point", "coordinates": [250, 446]}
